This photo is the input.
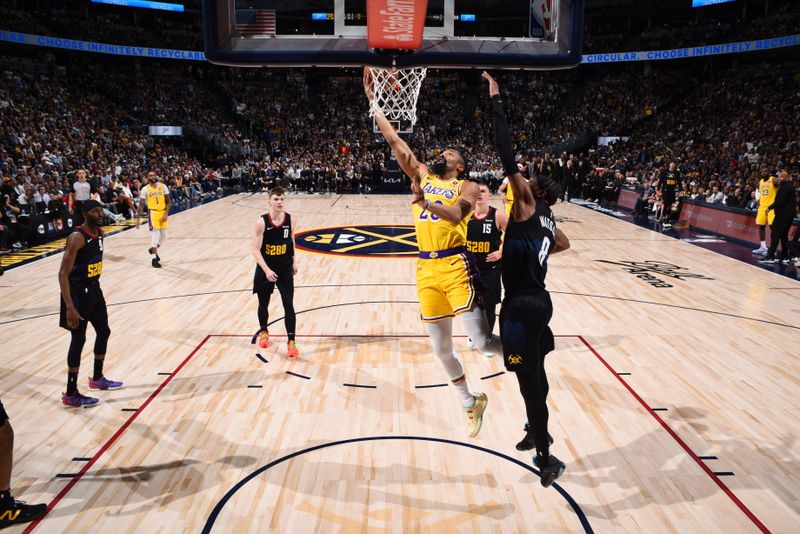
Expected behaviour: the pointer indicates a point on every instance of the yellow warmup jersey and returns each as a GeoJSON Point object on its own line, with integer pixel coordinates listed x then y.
{"type": "Point", "coordinates": [434, 233]}
{"type": "Point", "coordinates": [155, 197]}
{"type": "Point", "coordinates": [768, 192]}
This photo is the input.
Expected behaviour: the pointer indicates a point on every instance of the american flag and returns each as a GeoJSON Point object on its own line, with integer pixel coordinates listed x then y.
{"type": "Point", "coordinates": [255, 21]}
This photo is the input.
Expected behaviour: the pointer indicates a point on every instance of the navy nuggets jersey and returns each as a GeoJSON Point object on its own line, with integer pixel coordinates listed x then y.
{"type": "Point", "coordinates": [483, 238]}
{"type": "Point", "coordinates": [526, 249]}
{"type": "Point", "coordinates": [277, 246]}
{"type": "Point", "coordinates": [89, 259]}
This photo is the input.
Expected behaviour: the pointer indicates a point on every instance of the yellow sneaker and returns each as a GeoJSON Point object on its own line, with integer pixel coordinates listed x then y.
{"type": "Point", "coordinates": [292, 350]}
{"type": "Point", "coordinates": [475, 414]}
{"type": "Point", "coordinates": [263, 339]}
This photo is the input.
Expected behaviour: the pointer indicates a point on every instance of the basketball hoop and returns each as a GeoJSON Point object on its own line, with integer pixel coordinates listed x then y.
{"type": "Point", "coordinates": [395, 92]}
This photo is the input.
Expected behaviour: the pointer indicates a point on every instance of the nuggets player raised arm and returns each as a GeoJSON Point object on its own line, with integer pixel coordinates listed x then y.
{"type": "Point", "coordinates": [156, 195]}
{"type": "Point", "coordinates": [531, 236]}
{"type": "Point", "coordinates": [447, 278]}
{"type": "Point", "coordinates": [272, 247]}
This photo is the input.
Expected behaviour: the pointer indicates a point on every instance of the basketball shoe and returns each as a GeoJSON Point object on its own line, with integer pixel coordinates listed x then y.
{"type": "Point", "coordinates": [475, 414]}
{"type": "Point", "coordinates": [549, 469]}
{"type": "Point", "coordinates": [78, 401]}
{"type": "Point", "coordinates": [527, 442]}
{"type": "Point", "coordinates": [292, 350]}
{"type": "Point", "coordinates": [104, 383]}
{"type": "Point", "coordinates": [16, 512]}
{"type": "Point", "coordinates": [263, 339]}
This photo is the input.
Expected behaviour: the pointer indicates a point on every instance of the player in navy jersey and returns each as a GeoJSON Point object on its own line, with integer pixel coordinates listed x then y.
{"type": "Point", "coordinates": [484, 240]}
{"type": "Point", "coordinates": [531, 236]}
{"type": "Point", "coordinates": [82, 303]}
{"type": "Point", "coordinates": [273, 249]}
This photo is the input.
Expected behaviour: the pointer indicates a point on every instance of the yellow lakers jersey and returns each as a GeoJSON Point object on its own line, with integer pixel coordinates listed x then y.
{"type": "Point", "coordinates": [509, 198]}
{"type": "Point", "coordinates": [155, 196]}
{"type": "Point", "coordinates": [434, 233]}
{"type": "Point", "coordinates": [768, 192]}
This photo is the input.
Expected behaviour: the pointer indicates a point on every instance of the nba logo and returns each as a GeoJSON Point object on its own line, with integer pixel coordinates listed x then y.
{"type": "Point", "coordinates": [541, 22]}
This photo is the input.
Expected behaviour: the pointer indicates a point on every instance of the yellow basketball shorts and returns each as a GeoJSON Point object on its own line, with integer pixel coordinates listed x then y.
{"type": "Point", "coordinates": [155, 220]}
{"type": "Point", "coordinates": [447, 286]}
{"type": "Point", "coordinates": [762, 218]}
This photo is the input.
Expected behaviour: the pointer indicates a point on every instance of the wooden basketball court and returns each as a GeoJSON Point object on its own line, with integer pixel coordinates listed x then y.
{"type": "Point", "coordinates": [675, 407]}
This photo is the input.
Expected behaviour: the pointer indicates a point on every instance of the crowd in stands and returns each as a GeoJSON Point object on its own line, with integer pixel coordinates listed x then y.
{"type": "Point", "coordinates": [663, 25]}
{"type": "Point", "coordinates": [309, 130]}
{"type": "Point", "coordinates": [50, 128]}
{"type": "Point", "coordinates": [676, 25]}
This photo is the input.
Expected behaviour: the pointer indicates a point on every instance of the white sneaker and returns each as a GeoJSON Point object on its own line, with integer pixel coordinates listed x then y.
{"type": "Point", "coordinates": [475, 414]}
{"type": "Point", "coordinates": [760, 250]}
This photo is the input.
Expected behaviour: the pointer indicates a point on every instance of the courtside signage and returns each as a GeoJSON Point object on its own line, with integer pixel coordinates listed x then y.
{"type": "Point", "coordinates": [694, 51]}
{"type": "Point", "coordinates": [100, 48]}
{"type": "Point", "coordinates": [611, 57]}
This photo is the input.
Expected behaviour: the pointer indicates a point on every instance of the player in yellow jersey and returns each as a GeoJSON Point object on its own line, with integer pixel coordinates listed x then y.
{"type": "Point", "coordinates": [156, 195]}
{"type": "Point", "coordinates": [508, 196]}
{"type": "Point", "coordinates": [447, 279]}
{"type": "Point", "coordinates": [766, 196]}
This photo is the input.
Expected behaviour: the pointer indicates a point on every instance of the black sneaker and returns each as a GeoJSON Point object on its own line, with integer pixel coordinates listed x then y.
{"type": "Point", "coordinates": [549, 471]}
{"type": "Point", "coordinates": [155, 263]}
{"type": "Point", "coordinates": [527, 442]}
{"type": "Point", "coordinates": [768, 260]}
{"type": "Point", "coordinates": [20, 512]}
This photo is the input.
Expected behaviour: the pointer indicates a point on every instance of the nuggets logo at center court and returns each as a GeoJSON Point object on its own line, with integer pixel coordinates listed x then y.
{"type": "Point", "coordinates": [377, 241]}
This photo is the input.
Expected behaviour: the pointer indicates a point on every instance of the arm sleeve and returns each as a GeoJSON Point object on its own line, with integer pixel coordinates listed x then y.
{"type": "Point", "coordinates": [502, 137]}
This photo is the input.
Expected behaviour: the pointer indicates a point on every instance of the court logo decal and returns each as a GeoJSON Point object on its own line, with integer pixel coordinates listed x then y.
{"type": "Point", "coordinates": [647, 271]}
{"type": "Point", "coordinates": [377, 241]}
{"type": "Point", "coordinates": [383, 520]}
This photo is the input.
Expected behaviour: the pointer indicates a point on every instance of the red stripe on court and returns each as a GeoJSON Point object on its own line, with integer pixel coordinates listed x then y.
{"type": "Point", "coordinates": [331, 335]}
{"type": "Point", "coordinates": [114, 438]}
{"type": "Point", "coordinates": [680, 442]}
{"type": "Point", "coordinates": [358, 335]}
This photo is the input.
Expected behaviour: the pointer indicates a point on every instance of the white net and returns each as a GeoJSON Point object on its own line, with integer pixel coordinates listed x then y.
{"type": "Point", "coordinates": [396, 92]}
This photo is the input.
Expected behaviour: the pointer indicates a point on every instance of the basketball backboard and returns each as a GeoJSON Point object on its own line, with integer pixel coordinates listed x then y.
{"type": "Point", "coordinates": [512, 34]}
